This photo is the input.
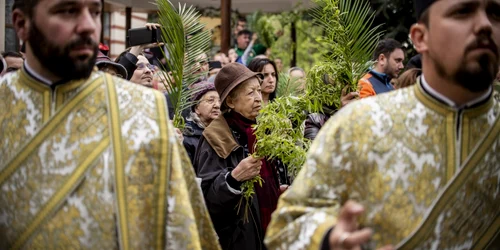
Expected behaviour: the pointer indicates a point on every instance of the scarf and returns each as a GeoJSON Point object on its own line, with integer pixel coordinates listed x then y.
{"type": "Point", "coordinates": [269, 193]}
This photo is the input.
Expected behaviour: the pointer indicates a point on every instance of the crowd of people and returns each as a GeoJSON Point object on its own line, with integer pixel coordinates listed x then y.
{"type": "Point", "coordinates": [91, 159]}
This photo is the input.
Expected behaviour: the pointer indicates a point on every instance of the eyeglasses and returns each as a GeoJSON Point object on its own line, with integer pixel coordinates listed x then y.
{"type": "Point", "coordinates": [143, 66]}
{"type": "Point", "coordinates": [212, 101]}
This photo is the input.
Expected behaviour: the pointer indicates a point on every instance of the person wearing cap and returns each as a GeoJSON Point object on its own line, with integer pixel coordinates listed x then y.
{"type": "Point", "coordinates": [224, 161]}
{"type": "Point", "coordinates": [416, 168]}
{"type": "Point", "coordinates": [105, 64]}
{"type": "Point", "coordinates": [203, 112]}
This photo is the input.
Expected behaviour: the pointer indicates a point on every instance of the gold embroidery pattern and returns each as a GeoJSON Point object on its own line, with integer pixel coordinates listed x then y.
{"type": "Point", "coordinates": [391, 153]}
{"type": "Point", "coordinates": [49, 163]}
{"type": "Point", "coordinates": [20, 114]}
{"type": "Point", "coordinates": [469, 209]}
{"type": "Point", "coordinates": [154, 163]}
{"type": "Point", "coordinates": [86, 220]}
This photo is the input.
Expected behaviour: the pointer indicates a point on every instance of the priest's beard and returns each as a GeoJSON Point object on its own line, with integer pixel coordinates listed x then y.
{"type": "Point", "coordinates": [473, 78]}
{"type": "Point", "coordinates": [57, 59]}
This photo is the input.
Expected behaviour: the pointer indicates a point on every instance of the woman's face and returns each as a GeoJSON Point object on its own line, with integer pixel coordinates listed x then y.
{"type": "Point", "coordinates": [209, 107]}
{"type": "Point", "coordinates": [247, 99]}
{"type": "Point", "coordinates": [269, 83]}
{"type": "Point", "coordinates": [232, 55]}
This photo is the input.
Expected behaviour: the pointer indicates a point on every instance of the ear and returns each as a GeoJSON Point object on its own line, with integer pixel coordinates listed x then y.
{"type": "Point", "coordinates": [21, 24]}
{"type": "Point", "coordinates": [381, 58]}
{"type": "Point", "coordinates": [196, 110]}
{"type": "Point", "coordinates": [230, 102]}
{"type": "Point", "coordinates": [419, 37]}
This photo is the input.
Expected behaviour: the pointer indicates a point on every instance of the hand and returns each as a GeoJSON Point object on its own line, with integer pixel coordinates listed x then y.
{"type": "Point", "coordinates": [255, 36]}
{"type": "Point", "coordinates": [247, 169]}
{"type": "Point", "coordinates": [178, 134]}
{"type": "Point", "coordinates": [346, 235]}
{"type": "Point", "coordinates": [283, 188]}
{"type": "Point", "coordinates": [151, 26]}
{"type": "Point", "coordinates": [347, 98]}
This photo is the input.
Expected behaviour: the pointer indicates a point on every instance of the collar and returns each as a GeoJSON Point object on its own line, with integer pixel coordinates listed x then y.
{"type": "Point", "coordinates": [35, 75]}
{"type": "Point", "coordinates": [384, 77]}
{"type": "Point", "coordinates": [219, 136]}
{"type": "Point", "coordinates": [432, 92]}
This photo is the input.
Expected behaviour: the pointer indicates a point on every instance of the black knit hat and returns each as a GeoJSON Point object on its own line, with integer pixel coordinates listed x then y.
{"type": "Point", "coordinates": [422, 5]}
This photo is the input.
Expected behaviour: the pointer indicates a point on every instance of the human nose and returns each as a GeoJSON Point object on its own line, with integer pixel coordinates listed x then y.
{"type": "Point", "coordinates": [483, 24]}
{"type": "Point", "coordinates": [88, 23]}
{"type": "Point", "coordinates": [217, 104]}
{"type": "Point", "coordinates": [258, 96]}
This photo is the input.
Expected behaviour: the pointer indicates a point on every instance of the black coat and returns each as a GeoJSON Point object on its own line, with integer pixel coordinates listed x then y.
{"type": "Point", "coordinates": [314, 123]}
{"type": "Point", "coordinates": [219, 153]}
{"type": "Point", "coordinates": [192, 134]}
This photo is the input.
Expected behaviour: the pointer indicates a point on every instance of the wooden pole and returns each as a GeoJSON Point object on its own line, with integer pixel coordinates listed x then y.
{"type": "Point", "coordinates": [225, 13]}
{"type": "Point", "coordinates": [293, 32]}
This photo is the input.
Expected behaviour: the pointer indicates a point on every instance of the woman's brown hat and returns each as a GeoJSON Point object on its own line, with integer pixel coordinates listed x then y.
{"type": "Point", "coordinates": [231, 76]}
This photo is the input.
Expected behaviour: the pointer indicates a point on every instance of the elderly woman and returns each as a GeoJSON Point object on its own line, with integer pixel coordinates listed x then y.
{"type": "Point", "coordinates": [205, 110]}
{"type": "Point", "coordinates": [223, 161]}
{"type": "Point", "coordinates": [270, 83]}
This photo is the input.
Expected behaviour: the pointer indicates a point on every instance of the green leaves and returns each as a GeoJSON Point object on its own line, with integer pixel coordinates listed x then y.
{"type": "Point", "coordinates": [349, 41]}
{"type": "Point", "coordinates": [288, 86]}
{"type": "Point", "coordinates": [185, 43]}
{"type": "Point", "coordinates": [248, 190]}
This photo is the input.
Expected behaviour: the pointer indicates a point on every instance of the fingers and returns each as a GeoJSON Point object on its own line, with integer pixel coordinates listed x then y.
{"type": "Point", "coordinates": [344, 90]}
{"type": "Point", "coordinates": [357, 238]}
{"type": "Point", "coordinates": [348, 215]}
{"type": "Point", "coordinates": [389, 247]}
{"type": "Point", "coordinates": [350, 96]}
{"type": "Point", "coordinates": [152, 25]}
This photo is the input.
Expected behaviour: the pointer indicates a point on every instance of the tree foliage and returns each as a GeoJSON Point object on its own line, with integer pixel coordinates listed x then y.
{"type": "Point", "coordinates": [349, 41]}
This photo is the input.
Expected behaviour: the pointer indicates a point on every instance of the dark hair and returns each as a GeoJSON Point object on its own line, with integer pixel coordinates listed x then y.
{"type": "Point", "coordinates": [26, 6]}
{"type": "Point", "coordinates": [407, 79]}
{"type": "Point", "coordinates": [11, 54]}
{"type": "Point", "coordinates": [386, 47]}
{"type": "Point", "coordinates": [244, 32]}
{"type": "Point", "coordinates": [424, 17]}
{"type": "Point", "coordinates": [242, 19]}
{"type": "Point", "coordinates": [257, 65]}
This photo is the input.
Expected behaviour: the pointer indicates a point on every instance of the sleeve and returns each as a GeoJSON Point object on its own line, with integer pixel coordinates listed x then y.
{"type": "Point", "coordinates": [190, 149]}
{"type": "Point", "coordinates": [244, 57]}
{"type": "Point", "coordinates": [186, 199]}
{"type": "Point", "coordinates": [129, 61]}
{"type": "Point", "coordinates": [220, 196]}
{"type": "Point", "coordinates": [366, 88]}
{"type": "Point", "coordinates": [308, 210]}
{"type": "Point", "coordinates": [187, 221]}
{"type": "Point", "coordinates": [312, 128]}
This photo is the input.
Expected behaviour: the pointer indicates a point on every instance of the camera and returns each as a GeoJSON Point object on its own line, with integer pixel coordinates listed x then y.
{"type": "Point", "coordinates": [140, 36]}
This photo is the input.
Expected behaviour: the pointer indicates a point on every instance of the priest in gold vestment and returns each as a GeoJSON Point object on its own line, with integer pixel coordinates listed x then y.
{"type": "Point", "coordinates": [87, 160]}
{"type": "Point", "coordinates": [421, 164]}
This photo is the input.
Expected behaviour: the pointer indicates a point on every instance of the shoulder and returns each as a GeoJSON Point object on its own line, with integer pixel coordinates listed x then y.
{"type": "Point", "coordinates": [137, 94]}
{"type": "Point", "coordinates": [9, 78]}
{"type": "Point", "coordinates": [371, 114]}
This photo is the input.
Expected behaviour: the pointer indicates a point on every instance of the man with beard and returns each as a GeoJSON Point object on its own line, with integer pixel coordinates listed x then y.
{"type": "Point", "coordinates": [88, 160]}
{"type": "Point", "coordinates": [388, 57]}
{"type": "Point", "coordinates": [419, 166]}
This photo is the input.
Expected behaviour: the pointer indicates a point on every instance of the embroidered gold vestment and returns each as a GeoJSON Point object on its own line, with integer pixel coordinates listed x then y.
{"type": "Point", "coordinates": [427, 175]}
{"type": "Point", "coordinates": [94, 164]}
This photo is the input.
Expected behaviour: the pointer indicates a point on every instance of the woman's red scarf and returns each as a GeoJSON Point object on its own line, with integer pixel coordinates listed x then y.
{"type": "Point", "coordinates": [269, 193]}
